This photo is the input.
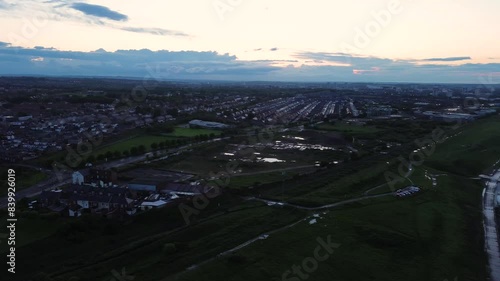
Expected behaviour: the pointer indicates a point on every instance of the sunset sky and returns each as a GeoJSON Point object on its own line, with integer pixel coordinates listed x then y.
{"type": "Point", "coordinates": [292, 40]}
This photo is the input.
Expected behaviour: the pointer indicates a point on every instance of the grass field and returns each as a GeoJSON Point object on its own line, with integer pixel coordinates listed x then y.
{"type": "Point", "coordinates": [128, 143]}
{"type": "Point", "coordinates": [138, 246]}
{"type": "Point", "coordinates": [25, 177]}
{"type": "Point", "coordinates": [472, 149]}
{"type": "Point", "coordinates": [147, 140]}
{"type": "Point", "coordinates": [435, 235]}
{"type": "Point", "coordinates": [329, 186]}
{"type": "Point", "coordinates": [30, 229]}
{"type": "Point", "coordinates": [133, 139]}
{"type": "Point", "coordinates": [258, 179]}
{"type": "Point", "coordinates": [191, 132]}
{"type": "Point", "coordinates": [432, 236]}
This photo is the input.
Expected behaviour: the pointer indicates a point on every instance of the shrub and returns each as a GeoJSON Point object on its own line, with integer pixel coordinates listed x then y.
{"type": "Point", "coordinates": [169, 248]}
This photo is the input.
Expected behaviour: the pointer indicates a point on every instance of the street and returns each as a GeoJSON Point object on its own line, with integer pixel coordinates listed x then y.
{"type": "Point", "coordinates": [490, 227]}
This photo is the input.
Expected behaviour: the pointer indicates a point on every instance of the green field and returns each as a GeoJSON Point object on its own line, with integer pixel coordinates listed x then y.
{"type": "Point", "coordinates": [135, 139]}
{"type": "Point", "coordinates": [432, 236]}
{"type": "Point", "coordinates": [335, 184]}
{"type": "Point", "coordinates": [147, 140]}
{"type": "Point", "coordinates": [138, 246]}
{"type": "Point", "coordinates": [470, 150]}
{"type": "Point", "coordinates": [435, 235]}
{"type": "Point", "coordinates": [258, 179]}
{"type": "Point", "coordinates": [191, 132]}
{"type": "Point", "coordinates": [32, 227]}
{"type": "Point", "coordinates": [128, 143]}
{"type": "Point", "coordinates": [25, 177]}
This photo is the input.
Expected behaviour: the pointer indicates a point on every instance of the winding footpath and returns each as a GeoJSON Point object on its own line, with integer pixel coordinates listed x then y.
{"type": "Point", "coordinates": [333, 205]}
{"type": "Point", "coordinates": [265, 235]}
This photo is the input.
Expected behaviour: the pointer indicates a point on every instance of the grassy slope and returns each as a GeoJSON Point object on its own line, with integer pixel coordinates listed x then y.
{"type": "Point", "coordinates": [429, 237]}
{"type": "Point", "coordinates": [475, 148]}
{"type": "Point", "coordinates": [435, 235]}
{"type": "Point", "coordinates": [90, 250]}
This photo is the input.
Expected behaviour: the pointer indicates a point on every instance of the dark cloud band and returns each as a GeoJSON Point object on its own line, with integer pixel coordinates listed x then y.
{"type": "Point", "coordinates": [99, 11]}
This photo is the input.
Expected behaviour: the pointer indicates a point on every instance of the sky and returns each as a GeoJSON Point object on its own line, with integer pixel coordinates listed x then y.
{"type": "Point", "coordinates": [445, 41]}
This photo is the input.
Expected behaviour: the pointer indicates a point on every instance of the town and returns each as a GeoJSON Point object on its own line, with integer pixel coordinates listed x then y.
{"type": "Point", "coordinates": [93, 160]}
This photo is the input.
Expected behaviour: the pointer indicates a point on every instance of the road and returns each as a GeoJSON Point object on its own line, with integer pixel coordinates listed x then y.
{"type": "Point", "coordinates": [36, 189]}
{"type": "Point", "coordinates": [40, 169]}
{"type": "Point", "coordinates": [490, 227]}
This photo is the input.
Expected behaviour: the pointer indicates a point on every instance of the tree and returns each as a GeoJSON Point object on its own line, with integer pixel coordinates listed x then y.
{"type": "Point", "coordinates": [154, 146]}
{"type": "Point", "coordinates": [134, 150]}
{"type": "Point", "coordinates": [169, 248]}
{"type": "Point", "coordinates": [142, 148]}
{"type": "Point", "coordinates": [156, 112]}
{"type": "Point", "coordinates": [109, 154]}
{"type": "Point", "coordinates": [173, 112]}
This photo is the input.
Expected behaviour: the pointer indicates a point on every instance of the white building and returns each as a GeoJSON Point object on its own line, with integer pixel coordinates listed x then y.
{"type": "Point", "coordinates": [207, 124]}
{"type": "Point", "coordinates": [147, 205]}
{"type": "Point", "coordinates": [77, 178]}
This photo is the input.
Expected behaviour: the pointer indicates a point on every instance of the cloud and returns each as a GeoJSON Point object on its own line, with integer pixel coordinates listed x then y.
{"type": "Point", "coordinates": [345, 59]}
{"type": "Point", "coordinates": [6, 6]}
{"type": "Point", "coordinates": [61, 10]}
{"type": "Point", "coordinates": [164, 64]}
{"type": "Point", "coordinates": [154, 31]}
{"type": "Point", "coordinates": [364, 71]}
{"type": "Point", "coordinates": [103, 16]}
{"type": "Point", "coordinates": [376, 69]}
{"type": "Point", "coordinates": [99, 11]}
{"type": "Point", "coordinates": [161, 64]}
{"type": "Point", "coordinates": [270, 50]}
{"type": "Point", "coordinates": [448, 59]}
